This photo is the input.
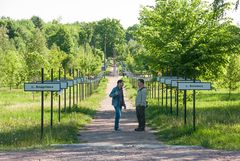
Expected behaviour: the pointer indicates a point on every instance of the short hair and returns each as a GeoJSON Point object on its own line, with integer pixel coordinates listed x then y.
{"type": "Point", "coordinates": [141, 80]}
{"type": "Point", "coordinates": [120, 81]}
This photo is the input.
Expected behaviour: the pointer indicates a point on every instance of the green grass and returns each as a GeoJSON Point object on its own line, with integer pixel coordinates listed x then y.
{"type": "Point", "coordinates": [20, 119]}
{"type": "Point", "coordinates": [217, 120]}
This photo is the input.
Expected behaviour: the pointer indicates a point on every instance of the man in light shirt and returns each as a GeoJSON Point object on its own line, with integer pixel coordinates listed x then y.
{"type": "Point", "coordinates": [141, 105]}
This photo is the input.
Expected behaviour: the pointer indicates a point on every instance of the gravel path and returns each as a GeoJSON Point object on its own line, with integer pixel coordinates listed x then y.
{"type": "Point", "coordinates": [101, 142]}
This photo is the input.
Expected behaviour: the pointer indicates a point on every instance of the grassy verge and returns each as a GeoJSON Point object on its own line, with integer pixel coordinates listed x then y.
{"type": "Point", "coordinates": [20, 119]}
{"type": "Point", "coordinates": [217, 126]}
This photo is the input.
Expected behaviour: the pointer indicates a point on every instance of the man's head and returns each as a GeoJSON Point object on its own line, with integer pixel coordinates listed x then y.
{"type": "Point", "coordinates": [120, 83]}
{"type": "Point", "coordinates": [140, 83]}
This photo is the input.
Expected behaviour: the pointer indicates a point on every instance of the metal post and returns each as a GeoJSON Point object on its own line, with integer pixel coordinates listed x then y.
{"type": "Point", "coordinates": [194, 106]}
{"type": "Point", "coordinates": [51, 123]}
{"type": "Point", "coordinates": [42, 106]}
{"type": "Point", "coordinates": [70, 91]}
{"type": "Point", "coordinates": [171, 111]}
{"type": "Point", "coordinates": [73, 88]}
{"type": "Point", "coordinates": [166, 92]}
{"type": "Point", "coordinates": [65, 93]}
{"type": "Point", "coordinates": [162, 90]}
{"type": "Point", "coordinates": [158, 96]}
{"type": "Point", "coordinates": [185, 104]}
{"type": "Point", "coordinates": [59, 97]}
{"type": "Point", "coordinates": [77, 88]}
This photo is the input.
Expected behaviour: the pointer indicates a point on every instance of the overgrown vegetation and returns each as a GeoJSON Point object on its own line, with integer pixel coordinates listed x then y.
{"type": "Point", "coordinates": [20, 119]}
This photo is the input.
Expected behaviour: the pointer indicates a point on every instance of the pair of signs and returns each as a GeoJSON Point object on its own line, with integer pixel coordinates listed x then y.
{"type": "Point", "coordinates": [183, 84]}
{"type": "Point", "coordinates": [55, 85]}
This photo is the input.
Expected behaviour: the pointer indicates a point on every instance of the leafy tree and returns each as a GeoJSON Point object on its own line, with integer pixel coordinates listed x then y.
{"type": "Point", "coordinates": [38, 22]}
{"type": "Point", "coordinates": [231, 76]}
{"type": "Point", "coordinates": [186, 35]}
{"type": "Point", "coordinates": [12, 65]}
{"type": "Point", "coordinates": [62, 39]}
{"type": "Point", "coordinates": [130, 33]}
{"type": "Point", "coordinates": [110, 33]}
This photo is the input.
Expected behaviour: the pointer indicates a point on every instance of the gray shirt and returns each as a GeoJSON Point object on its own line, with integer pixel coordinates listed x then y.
{"type": "Point", "coordinates": [141, 97]}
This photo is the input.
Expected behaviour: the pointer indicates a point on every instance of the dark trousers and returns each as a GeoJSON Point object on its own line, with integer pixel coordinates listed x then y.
{"type": "Point", "coordinates": [140, 111]}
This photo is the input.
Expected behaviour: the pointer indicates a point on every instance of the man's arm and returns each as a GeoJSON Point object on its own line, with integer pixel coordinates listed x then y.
{"type": "Point", "coordinates": [113, 93]}
{"type": "Point", "coordinates": [144, 96]}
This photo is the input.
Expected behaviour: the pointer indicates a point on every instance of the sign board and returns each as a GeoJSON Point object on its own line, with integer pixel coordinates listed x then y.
{"type": "Point", "coordinates": [42, 87]}
{"type": "Point", "coordinates": [168, 81]}
{"type": "Point", "coordinates": [70, 83]}
{"type": "Point", "coordinates": [75, 81]}
{"type": "Point", "coordinates": [174, 83]}
{"type": "Point", "coordinates": [63, 83]}
{"type": "Point", "coordinates": [163, 79]}
{"type": "Point", "coordinates": [194, 86]}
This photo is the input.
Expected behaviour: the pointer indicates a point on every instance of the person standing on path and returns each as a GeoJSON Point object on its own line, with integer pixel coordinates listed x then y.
{"type": "Point", "coordinates": [141, 105]}
{"type": "Point", "coordinates": [117, 102]}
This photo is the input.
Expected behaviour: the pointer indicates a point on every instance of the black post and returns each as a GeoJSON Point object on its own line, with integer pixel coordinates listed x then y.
{"type": "Point", "coordinates": [83, 89]}
{"type": "Point", "coordinates": [162, 90]}
{"type": "Point", "coordinates": [73, 88]}
{"type": "Point", "coordinates": [185, 104]}
{"type": "Point", "coordinates": [80, 92]}
{"type": "Point", "coordinates": [42, 106]}
{"type": "Point", "coordinates": [194, 106]}
{"type": "Point", "coordinates": [166, 91]}
{"type": "Point", "coordinates": [70, 91]}
{"type": "Point", "coordinates": [158, 95]}
{"type": "Point", "coordinates": [65, 93]}
{"type": "Point", "coordinates": [77, 88]}
{"type": "Point", "coordinates": [59, 97]}
{"type": "Point", "coordinates": [177, 96]}
{"type": "Point", "coordinates": [51, 119]}
{"type": "Point", "coordinates": [152, 89]}
{"type": "Point", "coordinates": [171, 111]}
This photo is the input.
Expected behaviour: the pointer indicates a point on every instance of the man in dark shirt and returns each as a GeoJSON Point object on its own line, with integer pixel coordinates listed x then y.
{"type": "Point", "coordinates": [117, 102]}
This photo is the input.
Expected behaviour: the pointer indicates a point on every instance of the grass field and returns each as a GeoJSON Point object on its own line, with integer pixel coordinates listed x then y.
{"type": "Point", "coordinates": [217, 126]}
{"type": "Point", "coordinates": [20, 118]}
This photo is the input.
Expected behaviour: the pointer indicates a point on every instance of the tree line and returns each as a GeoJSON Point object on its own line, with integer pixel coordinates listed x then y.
{"type": "Point", "coordinates": [27, 45]}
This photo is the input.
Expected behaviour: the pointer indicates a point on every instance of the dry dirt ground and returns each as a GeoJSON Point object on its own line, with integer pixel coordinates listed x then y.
{"type": "Point", "coordinates": [101, 142]}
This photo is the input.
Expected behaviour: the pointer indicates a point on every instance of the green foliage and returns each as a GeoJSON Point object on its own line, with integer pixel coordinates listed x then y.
{"type": "Point", "coordinates": [62, 39]}
{"type": "Point", "coordinates": [12, 68]}
{"type": "Point", "coordinates": [109, 32]}
{"type": "Point", "coordinates": [188, 36]}
{"type": "Point", "coordinates": [38, 22]}
{"type": "Point", "coordinates": [231, 76]}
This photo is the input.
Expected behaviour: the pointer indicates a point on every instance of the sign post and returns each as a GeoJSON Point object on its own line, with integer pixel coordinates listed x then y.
{"type": "Point", "coordinates": [42, 106]}
{"type": "Point", "coordinates": [59, 97]}
{"type": "Point", "coordinates": [194, 86]}
{"type": "Point", "coordinates": [51, 113]}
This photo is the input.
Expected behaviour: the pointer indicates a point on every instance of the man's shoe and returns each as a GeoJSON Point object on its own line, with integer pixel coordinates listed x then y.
{"type": "Point", "coordinates": [139, 129]}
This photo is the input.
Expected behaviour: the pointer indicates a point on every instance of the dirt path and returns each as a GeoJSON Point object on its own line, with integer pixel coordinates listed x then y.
{"type": "Point", "coordinates": [101, 142]}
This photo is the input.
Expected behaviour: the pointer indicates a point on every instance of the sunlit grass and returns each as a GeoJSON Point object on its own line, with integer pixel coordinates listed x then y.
{"type": "Point", "coordinates": [20, 118]}
{"type": "Point", "coordinates": [217, 120]}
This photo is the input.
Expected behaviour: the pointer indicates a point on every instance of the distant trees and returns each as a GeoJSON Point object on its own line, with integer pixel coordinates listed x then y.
{"type": "Point", "coordinates": [28, 45]}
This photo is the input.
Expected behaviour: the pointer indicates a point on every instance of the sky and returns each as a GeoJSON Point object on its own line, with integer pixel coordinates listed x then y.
{"type": "Point", "coordinates": [69, 11]}
{"type": "Point", "coordinates": [127, 11]}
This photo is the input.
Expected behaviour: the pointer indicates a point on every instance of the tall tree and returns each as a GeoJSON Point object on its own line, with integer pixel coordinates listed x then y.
{"type": "Point", "coordinates": [186, 35]}
{"type": "Point", "coordinates": [110, 33]}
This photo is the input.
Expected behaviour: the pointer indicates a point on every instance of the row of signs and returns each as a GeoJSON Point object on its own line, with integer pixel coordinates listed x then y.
{"type": "Point", "coordinates": [56, 85]}
{"type": "Point", "coordinates": [183, 84]}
